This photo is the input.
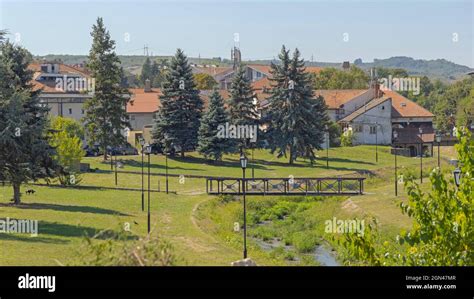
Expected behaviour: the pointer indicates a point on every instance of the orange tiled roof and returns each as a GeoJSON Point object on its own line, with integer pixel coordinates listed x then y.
{"type": "Point", "coordinates": [51, 87]}
{"type": "Point", "coordinates": [63, 69]}
{"type": "Point", "coordinates": [260, 84]}
{"type": "Point", "coordinates": [334, 98]}
{"type": "Point", "coordinates": [143, 102]}
{"type": "Point", "coordinates": [403, 107]}
{"type": "Point", "coordinates": [149, 102]}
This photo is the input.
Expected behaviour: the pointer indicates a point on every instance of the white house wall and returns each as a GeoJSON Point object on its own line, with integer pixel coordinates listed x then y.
{"type": "Point", "coordinates": [380, 114]}
{"type": "Point", "coordinates": [139, 120]}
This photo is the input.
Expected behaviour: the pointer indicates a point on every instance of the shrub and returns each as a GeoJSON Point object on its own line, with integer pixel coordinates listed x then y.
{"type": "Point", "coordinates": [304, 241]}
{"type": "Point", "coordinates": [347, 138]}
{"type": "Point", "coordinates": [123, 250]}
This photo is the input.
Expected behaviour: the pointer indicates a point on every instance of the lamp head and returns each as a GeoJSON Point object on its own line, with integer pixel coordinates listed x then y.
{"type": "Point", "coordinates": [420, 129]}
{"type": "Point", "coordinates": [395, 134]}
{"type": "Point", "coordinates": [147, 149]}
{"type": "Point", "coordinates": [243, 160]}
{"type": "Point", "coordinates": [457, 176]}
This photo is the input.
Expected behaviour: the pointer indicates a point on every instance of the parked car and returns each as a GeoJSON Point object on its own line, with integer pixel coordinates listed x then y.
{"type": "Point", "coordinates": [92, 151]}
{"type": "Point", "coordinates": [157, 149]}
{"type": "Point", "coordinates": [126, 149]}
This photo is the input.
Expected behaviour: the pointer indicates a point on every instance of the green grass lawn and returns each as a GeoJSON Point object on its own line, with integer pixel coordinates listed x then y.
{"type": "Point", "coordinates": [200, 229]}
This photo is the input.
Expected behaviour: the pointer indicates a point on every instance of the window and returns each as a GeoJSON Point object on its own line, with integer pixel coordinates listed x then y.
{"type": "Point", "coordinates": [373, 129]}
{"type": "Point", "coordinates": [70, 110]}
{"type": "Point", "coordinates": [357, 128]}
{"type": "Point", "coordinates": [82, 111]}
{"type": "Point", "coordinates": [132, 117]}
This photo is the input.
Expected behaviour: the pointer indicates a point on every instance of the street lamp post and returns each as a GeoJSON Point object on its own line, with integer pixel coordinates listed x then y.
{"type": "Point", "coordinates": [166, 175]}
{"type": "Point", "coordinates": [142, 143]}
{"type": "Point", "coordinates": [148, 152]}
{"type": "Point", "coordinates": [253, 165]}
{"type": "Point", "coordinates": [376, 143]}
{"type": "Point", "coordinates": [438, 140]}
{"type": "Point", "coordinates": [395, 136]}
{"type": "Point", "coordinates": [421, 154]}
{"type": "Point", "coordinates": [243, 163]}
{"type": "Point", "coordinates": [111, 160]}
{"type": "Point", "coordinates": [327, 146]}
{"type": "Point", "coordinates": [116, 178]}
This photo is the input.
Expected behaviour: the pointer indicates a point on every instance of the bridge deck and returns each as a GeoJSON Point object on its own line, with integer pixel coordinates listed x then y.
{"type": "Point", "coordinates": [286, 186]}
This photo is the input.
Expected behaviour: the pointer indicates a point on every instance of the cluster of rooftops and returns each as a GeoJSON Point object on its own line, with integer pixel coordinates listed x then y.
{"type": "Point", "coordinates": [146, 100]}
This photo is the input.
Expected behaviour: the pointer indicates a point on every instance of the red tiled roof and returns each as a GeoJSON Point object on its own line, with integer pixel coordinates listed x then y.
{"type": "Point", "coordinates": [50, 87]}
{"type": "Point", "coordinates": [63, 69]}
{"type": "Point", "coordinates": [334, 98]}
{"type": "Point", "coordinates": [403, 107]}
{"type": "Point", "coordinates": [260, 84]}
{"type": "Point", "coordinates": [143, 102]}
{"type": "Point", "coordinates": [149, 102]}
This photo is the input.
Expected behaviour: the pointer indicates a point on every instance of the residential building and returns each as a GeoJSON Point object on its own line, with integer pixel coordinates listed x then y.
{"type": "Point", "coordinates": [65, 89]}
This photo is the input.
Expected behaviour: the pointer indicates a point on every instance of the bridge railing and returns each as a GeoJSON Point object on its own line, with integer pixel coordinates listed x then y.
{"type": "Point", "coordinates": [286, 186]}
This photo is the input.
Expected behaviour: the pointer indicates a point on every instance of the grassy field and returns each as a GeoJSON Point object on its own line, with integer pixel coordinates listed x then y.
{"type": "Point", "coordinates": [199, 226]}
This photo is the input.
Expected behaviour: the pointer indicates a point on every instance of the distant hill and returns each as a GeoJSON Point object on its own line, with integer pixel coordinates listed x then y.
{"type": "Point", "coordinates": [439, 68]}
{"type": "Point", "coordinates": [435, 69]}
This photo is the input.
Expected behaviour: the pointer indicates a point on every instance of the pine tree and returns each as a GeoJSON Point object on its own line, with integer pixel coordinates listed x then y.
{"type": "Point", "coordinates": [146, 73]}
{"type": "Point", "coordinates": [177, 122]}
{"type": "Point", "coordinates": [295, 118]}
{"type": "Point", "coordinates": [211, 145]}
{"type": "Point", "coordinates": [242, 108]}
{"type": "Point", "coordinates": [106, 115]}
{"type": "Point", "coordinates": [25, 153]}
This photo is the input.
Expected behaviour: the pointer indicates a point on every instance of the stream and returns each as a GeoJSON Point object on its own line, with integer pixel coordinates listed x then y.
{"type": "Point", "coordinates": [322, 254]}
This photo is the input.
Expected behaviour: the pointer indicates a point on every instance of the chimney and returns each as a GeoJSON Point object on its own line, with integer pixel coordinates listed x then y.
{"type": "Point", "coordinates": [147, 85]}
{"type": "Point", "coordinates": [378, 93]}
{"type": "Point", "coordinates": [346, 65]}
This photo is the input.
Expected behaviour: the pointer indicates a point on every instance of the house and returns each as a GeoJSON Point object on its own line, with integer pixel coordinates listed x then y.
{"type": "Point", "coordinates": [375, 121]}
{"type": "Point", "coordinates": [65, 89]}
{"type": "Point", "coordinates": [143, 105]}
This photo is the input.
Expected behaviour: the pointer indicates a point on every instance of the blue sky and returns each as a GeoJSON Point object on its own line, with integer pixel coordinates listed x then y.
{"type": "Point", "coordinates": [375, 29]}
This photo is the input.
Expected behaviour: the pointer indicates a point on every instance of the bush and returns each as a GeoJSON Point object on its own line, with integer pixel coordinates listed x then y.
{"type": "Point", "coordinates": [347, 138]}
{"type": "Point", "coordinates": [123, 250]}
{"type": "Point", "coordinates": [304, 241]}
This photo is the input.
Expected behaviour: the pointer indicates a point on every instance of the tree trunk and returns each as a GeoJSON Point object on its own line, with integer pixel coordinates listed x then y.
{"type": "Point", "coordinates": [16, 193]}
{"type": "Point", "coordinates": [291, 157]}
{"type": "Point", "coordinates": [182, 153]}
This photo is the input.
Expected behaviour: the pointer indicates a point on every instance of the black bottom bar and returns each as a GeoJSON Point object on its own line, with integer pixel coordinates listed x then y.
{"type": "Point", "coordinates": [244, 282]}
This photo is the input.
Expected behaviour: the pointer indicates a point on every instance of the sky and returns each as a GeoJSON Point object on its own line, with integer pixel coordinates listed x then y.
{"type": "Point", "coordinates": [329, 31]}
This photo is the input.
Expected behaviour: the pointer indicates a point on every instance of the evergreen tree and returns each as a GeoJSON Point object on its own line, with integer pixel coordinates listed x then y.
{"type": "Point", "coordinates": [25, 153]}
{"type": "Point", "coordinates": [146, 71]}
{"type": "Point", "coordinates": [106, 115]}
{"type": "Point", "coordinates": [242, 108]}
{"type": "Point", "coordinates": [295, 118]}
{"type": "Point", "coordinates": [210, 144]}
{"type": "Point", "coordinates": [177, 122]}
